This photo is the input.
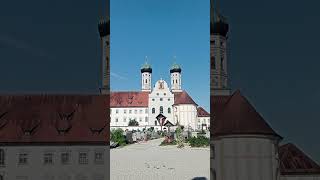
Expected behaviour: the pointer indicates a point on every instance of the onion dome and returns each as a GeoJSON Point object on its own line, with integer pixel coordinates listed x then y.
{"type": "Point", "coordinates": [175, 68]}
{"type": "Point", "coordinates": [219, 25]}
{"type": "Point", "coordinates": [104, 27]}
{"type": "Point", "coordinates": [146, 68]}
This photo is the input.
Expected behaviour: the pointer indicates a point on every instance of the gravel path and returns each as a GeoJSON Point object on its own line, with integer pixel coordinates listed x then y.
{"type": "Point", "coordinates": [149, 161]}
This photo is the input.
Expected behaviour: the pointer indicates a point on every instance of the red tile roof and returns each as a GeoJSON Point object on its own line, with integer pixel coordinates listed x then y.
{"type": "Point", "coordinates": [235, 115]}
{"type": "Point", "coordinates": [295, 162]}
{"type": "Point", "coordinates": [202, 112]}
{"type": "Point", "coordinates": [183, 98]}
{"type": "Point", "coordinates": [129, 99]}
{"type": "Point", "coordinates": [43, 119]}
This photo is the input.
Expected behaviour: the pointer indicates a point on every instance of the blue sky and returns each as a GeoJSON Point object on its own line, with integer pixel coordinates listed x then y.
{"type": "Point", "coordinates": [161, 29]}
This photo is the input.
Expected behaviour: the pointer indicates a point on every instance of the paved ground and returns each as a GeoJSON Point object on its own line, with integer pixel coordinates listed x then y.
{"type": "Point", "coordinates": [149, 161]}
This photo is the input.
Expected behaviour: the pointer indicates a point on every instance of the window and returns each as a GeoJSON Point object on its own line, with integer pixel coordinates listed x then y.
{"type": "Point", "coordinates": [172, 81]}
{"type": "Point", "coordinates": [124, 119]}
{"type": "Point", "coordinates": [117, 119]}
{"type": "Point", "coordinates": [176, 80]}
{"type": "Point", "coordinates": [164, 93]}
{"type": "Point", "coordinates": [213, 62]}
{"type": "Point", "coordinates": [140, 119]}
{"type": "Point", "coordinates": [161, 99]}
{"type": "Point", "coordinates": [146, 81]}
{"type": "Point", "coordinates": [169, 110]}
{"type": "Point", "coordinates": [168, 99]}
{"type": "Point", "coordinates": [146, 119]}
{"type": "Point", "coordinates": [161, 109]}
{"type": "Point", "coordinates": [125, 111]}
{"type": "Point", "coordinates": [48, 158]}
{"type": "Point", "coordinates": [152, 99]}
{"type": "Point", "coordinates": [2, 157]}
{"type": "Point", "coordinates": [83, 158]}
{"type": "Point", "coordinates": [157, 94]}
{"type": "Point", "coordinates": [153, 110]}
{"type": "Point", "coordinates": [98, 157]}
{"type": "Point", "coordinates": [135, 111]}
{"type": "Point", "coordinates": [23, 158]}
{"type": "Point", "coordinates": [155, 122]}
{"type": "Point", "coordinates": [221, 64]}
{"type": "Point", "coordinates": [140, 111]}
{"type": "Point", "coordinates": [117, 111]}
{"type": "Point", "coordinates": [65, 158]}
{"type": "Point", "coordinates": [130, 111]}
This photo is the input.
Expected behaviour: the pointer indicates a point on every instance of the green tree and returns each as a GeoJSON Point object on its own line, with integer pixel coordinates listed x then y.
{"type": "Point", "coordinates": [117, 136]}
{"type": "Point", "coordinates": [133, 122]}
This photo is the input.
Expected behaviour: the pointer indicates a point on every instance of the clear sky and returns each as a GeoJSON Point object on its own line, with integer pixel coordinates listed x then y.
{"type": "Point", "coordinates": [274, 60]}
{"type": "Point", "coordinates": [161, 29]}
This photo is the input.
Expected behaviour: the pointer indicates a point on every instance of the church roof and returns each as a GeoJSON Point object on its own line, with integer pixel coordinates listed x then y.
{"type": "Point", "coordinates": [293, 161]}
{"type": "Point", "coordinates": [202, 112]}
{"type": "Point", "coordinates": [129, 99]}
{"type": "Point", "coordinates": [235, 115]}
{"type": "Point", "coordinates": [64, 119]}
{"type": "Point", "coordinates": [183, 98]}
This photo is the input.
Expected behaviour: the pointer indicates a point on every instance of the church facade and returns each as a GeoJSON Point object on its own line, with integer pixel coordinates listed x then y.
{"type": "Point", "coordinates": [159, 107]}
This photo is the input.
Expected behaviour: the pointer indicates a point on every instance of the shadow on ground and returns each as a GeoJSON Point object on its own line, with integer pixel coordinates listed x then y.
{"type": "Point", "coordinates": [199, 178]}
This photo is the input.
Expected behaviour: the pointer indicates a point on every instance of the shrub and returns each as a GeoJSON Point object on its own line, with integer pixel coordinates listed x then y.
{"type": "Point", "coordinates": [200, 141]}
{"type": "Point", "coordinates": [168, 141]}
{"type": "Point", "coordinates": [180, 138]}
{"type": "Point", "coordinates": [117, 136]}
{"type": "Point", "coordinates": [133, 122]}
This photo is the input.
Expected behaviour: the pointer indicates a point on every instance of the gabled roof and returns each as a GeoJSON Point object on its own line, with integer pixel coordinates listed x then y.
{"type": "Point", "coordinates": [129, 99]}
{"type": "Point", "coordinates": [47, 119]}
{"type": "Point", "coordinates": [293, 161]}
{"type": "Point", "coordinates": [238, 116]}
{"type": "Point", "coordinates": [202, 112]}
{"type": "Point", "coordinates": [183, 98]}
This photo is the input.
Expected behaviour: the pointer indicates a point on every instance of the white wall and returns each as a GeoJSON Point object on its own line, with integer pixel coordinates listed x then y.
{"type": "Point", "coordinates": [186, 114]}
{"type": "Point", "coordinates": [155, 102]}
{"type": "Point", "coordinates": [146, 81]}
{"type": "Point", "coordinates": [123, 115]}
{"type": "Point", "coordinates": [36, 170]}
{"type": "Point", "coordinates": [245, 158]}
{"type": "Point", "coordinates": [175, 81]}
{"type": "Point", "coordinates": [203, 120]}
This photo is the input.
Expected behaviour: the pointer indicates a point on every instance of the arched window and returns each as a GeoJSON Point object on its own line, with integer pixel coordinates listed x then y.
{"type": "Point", "coordinates": [169, 110]}
{"type": "Point", "coordinates": [2, 157]}
{"type": "Point", "coordinates": [176, 80]}
{"type": "Point", "coordinates": [213, 62]}
{"type": "Point", "coordinates": [161, 109]}
{"type": "Point", "coordinates": [221, 64]}
{"type": "Point", "coordinates": [146, 80]}
{"type": "Point", "coordinates": [153, 110]}
{"type": "Point", "coordinates": [173, 81]}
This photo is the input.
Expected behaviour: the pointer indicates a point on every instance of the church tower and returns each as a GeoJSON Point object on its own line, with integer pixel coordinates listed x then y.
{"type": "Point", "coordinates": [218, 51]}
{"type": "Point", "coordinates": [175, 73]}
{"type": "Point", "coordinates": [146, 72]}
{"type": "Point", "coordinates": [104, 32]}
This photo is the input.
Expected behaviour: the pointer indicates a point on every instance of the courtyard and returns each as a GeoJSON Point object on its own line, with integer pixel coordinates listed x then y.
{"type": "Point", "coordinates": [148, 160]}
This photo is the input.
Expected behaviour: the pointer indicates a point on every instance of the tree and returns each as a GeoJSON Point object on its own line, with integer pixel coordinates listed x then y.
{"type": "Point", "coordinates": [117, 136]}
{"type": "Point", "coordinates": [133, 122]}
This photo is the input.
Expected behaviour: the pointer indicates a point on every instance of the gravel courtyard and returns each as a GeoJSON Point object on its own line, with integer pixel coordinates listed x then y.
{"type": "Point", "coordinates": [149, 161]}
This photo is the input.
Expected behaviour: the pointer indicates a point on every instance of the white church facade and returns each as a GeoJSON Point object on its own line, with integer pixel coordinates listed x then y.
{"type": "Point", "coordinates": [160, 107]}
